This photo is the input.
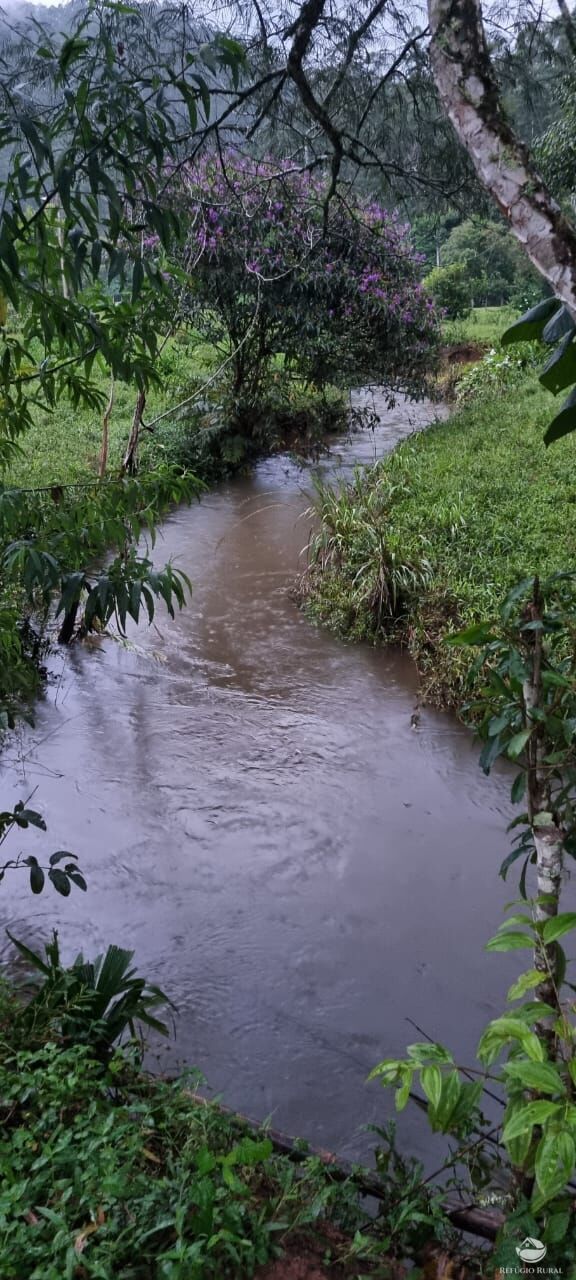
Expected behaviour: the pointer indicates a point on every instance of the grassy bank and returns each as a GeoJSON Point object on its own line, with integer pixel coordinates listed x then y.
{"type": "Point", "coordinates": [192, 431]}
{"type": "Point", "coordinates": [109, 1173]}
{"type": "Point", "coordinates": [483, 325]}
{"type": "Point", "coordinates": [431, 538]}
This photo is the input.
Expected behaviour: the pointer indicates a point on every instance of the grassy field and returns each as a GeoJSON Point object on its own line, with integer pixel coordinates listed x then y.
{"type": "Point", "coordinates": [64, 446]}
{"type": "Point", "coordinates": [469, 507]}
{"type": "Point", "coordinates": [484, 325]}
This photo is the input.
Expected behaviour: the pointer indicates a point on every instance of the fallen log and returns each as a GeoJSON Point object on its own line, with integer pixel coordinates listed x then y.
{"type": "Point", "coordinates": [483, 1223]}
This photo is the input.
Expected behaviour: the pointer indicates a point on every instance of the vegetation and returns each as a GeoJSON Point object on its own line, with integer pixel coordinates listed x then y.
{"type": "Point", "coordinates": [434, 536]}
{"type": "Point", "coordinates": [110, 1172]}
{"type": "Point", "coordinates": [193, 247]}
{"type": "Point", "coordinates": [346, 310]}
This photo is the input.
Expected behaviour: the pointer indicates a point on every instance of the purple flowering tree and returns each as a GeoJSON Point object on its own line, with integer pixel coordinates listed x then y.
{"type": "Point", "coordinates": [335, 299]}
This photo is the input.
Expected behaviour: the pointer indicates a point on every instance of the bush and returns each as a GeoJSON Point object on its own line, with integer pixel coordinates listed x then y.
{"type": "Point", "coordinates": [450, 290]}
{"type": "Point", "coordinates": [497, 371]}
{"type": "Point", "coordinates": [330, 297]}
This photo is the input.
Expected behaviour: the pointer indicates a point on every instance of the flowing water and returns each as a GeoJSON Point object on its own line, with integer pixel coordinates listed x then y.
{"type": "Point", "coordinates": [298, 867]}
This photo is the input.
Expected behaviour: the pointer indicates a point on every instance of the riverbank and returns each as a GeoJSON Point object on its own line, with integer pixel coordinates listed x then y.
{"type": "Point", "coordinates": [68, 477]}
{"type": "Point", "coordinates": [139, 1177]}
{"type": "Point", "coordinates": [430, 539]}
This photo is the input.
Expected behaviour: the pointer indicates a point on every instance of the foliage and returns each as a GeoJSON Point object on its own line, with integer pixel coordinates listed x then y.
{"type": "Point", "coordinates": [430, 230]}
{"type": "Point", "coordinates": [481, 501]}
{"type": "Point", "coordinates": [355, 540]}
{"type": "Point", "coordinates": [552, 323]}
{"type": "Point", "coordinates": [84, 175]}
{"type": "Point", "coordinates": [524, 704]}
{"type": "Point", "coordinates": [333, 290]}
{"type": "Point", "coordinates": [109, 1172]}
{"type": "Point", "coordinates": [497, 371]}
{"type": "Point", "coordinates": [556, 148]}
{"type": "Point", "coordinates": [48, 539]}
{"type": "Point", "coordinates": [496, 268]}
{"type": "Point", "coordinates": [61, 877]}
{"type": "Point", "coordinates": [450, 290]}
{"type": "Point", "coordinates": [484, 326]}
{"type": "Point", "coordinates": [94, 1003]}
{"type": "Point", "coordinates": [78, 174]}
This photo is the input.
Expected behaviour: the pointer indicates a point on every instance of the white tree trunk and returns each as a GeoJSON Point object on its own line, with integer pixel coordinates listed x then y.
{"type": "Point", "coordinates": [469, 91]}
{"type": "Point", "coordinates": [549, 838]}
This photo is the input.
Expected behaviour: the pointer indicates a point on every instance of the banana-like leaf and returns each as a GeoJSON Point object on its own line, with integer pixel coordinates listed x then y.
{"type": "Point", "coordinates": [559, 371]}
{"type": "Point", "coordinates": [532, 324]}
{"type": "Point", "coordinates": [564, 422]}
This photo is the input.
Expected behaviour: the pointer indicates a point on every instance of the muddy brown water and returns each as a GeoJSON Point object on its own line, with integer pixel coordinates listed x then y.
{"type": "Point", "coordinates": [299, 868]}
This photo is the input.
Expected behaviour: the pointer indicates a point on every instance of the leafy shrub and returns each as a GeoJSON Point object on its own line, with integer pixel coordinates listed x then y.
{"type": "Point", "coordinates": [91, 1003]}
{"type": "Point", "coordinates": [450, 290]}
{"type": "Point", "coordinates": [356, 546]}
{"type": "Point", "coordinates": [107, 1172]}
{"type": "Point", "coordinates": [334, 294]}
{"type": "Point", "coordinates": [497, 371]}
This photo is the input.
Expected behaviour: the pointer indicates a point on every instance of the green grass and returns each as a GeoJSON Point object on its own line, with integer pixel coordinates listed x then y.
{"type": "Point", "coordinates": [484, 325]}
{"type": "Point", "coordinates": [477, 503]}
{"type": "Point", "coordinates": [64, 446]}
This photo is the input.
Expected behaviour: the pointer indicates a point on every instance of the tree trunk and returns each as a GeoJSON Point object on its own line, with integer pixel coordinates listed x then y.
{"type": "Point", "coordinates": [130, 461]}
{"type": "Point", "coordinates": [549, 837]}
{"type": "Point", "coordinates": [469, 91]}
{"type": "Point", "coordinates": [103, 463]}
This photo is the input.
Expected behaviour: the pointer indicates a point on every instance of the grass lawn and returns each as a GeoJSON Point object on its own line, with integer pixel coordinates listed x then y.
{"type": "Point", "coordinates": [64, 446]}
{"type": "Point", "coordinates": [477, 503]}
{"type": "Point", "coordinates": [484, 325]}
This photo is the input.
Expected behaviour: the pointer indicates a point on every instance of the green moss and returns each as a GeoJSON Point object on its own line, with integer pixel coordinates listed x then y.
{"type": "Point", "coordinates": [479, 503]}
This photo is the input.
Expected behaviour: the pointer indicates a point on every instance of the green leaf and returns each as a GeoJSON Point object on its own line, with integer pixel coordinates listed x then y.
{"type": "Point", "coordinates": [426, 1051]}
{"type": "Point", "coordinates": [37, 878]}
{"type": "Point", "coordinates": [403, 1093]}
{"type": "Point", "coordinates": [526, 1117]}
{"type": "Point", "coordinates": [531, 325]}
{"type": "Point", "coordinates": [388, 1071]}
{"type": "Point", "coordinates": [518, 788]}
{"type": "Point", "coordinates": [526, 982]}
{"type": "Point", "coordinates": [554, 1162]}
{"type": "Point", "coordinates": [510, 942]}
{"type": "Point", "coordinates": [60, 881]}
{"type": "Point", "coordinates": [557, 1227]}
{"type": "Point", "coordinates": [558, 326]}
{"type": "Point", "coordinates": [516, 744]}
{"type": "Point", "coordinates": [559, 371]}
{"type": "Point", "coordinates": [501, 1031]}
{"type": "Point", "coordinates": [431, 1082]}
{"type": "Point", "coordinates": [564, 422]}
{"type": "Point", "coordinates": [490, 752]}
{"type": "Point", "coordinates": [451, 1090]}
{"type": "Point", "coordinates": [560, 925]}
{"type": "Point", "coordinates": [478, 633]}
{"type": "Point", "coordinates": [542, 1076]}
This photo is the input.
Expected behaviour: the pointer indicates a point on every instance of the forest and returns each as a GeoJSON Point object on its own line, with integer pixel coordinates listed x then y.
{"type": "Point", "coordinates": [287, 640]}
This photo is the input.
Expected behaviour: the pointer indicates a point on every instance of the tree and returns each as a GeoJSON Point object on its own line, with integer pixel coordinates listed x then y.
{"type": "Point", "coordinates": [495, 266]}
{"type": "Point", "coordinates": [451, 289]}
{"type": "Point", "coordinates": [469, 90]}
{"type": "Point", "coordinates": [332, 290]}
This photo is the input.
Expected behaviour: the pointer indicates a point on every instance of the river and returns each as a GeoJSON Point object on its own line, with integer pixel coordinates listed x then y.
{"type": "Point", "coordinates": [296, 865]}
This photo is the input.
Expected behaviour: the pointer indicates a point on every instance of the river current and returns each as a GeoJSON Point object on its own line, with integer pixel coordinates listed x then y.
{"type": "Point", "coordinates": [299, 867]}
